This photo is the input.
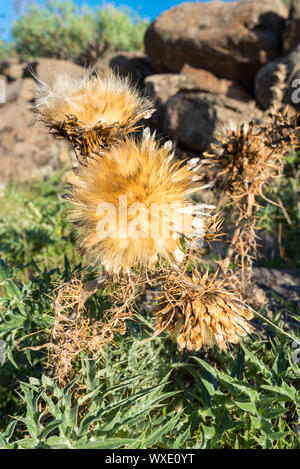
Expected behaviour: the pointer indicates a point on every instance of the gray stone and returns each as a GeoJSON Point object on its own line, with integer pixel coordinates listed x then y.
{"type": "Point", "coordinates": [192, 118]}
{"type": "Point", "coordinates": [266, 78]}
{"type": "Point", "coordinates": [231, 40]}
{"type": "Point", "coordinates": [291, 37]}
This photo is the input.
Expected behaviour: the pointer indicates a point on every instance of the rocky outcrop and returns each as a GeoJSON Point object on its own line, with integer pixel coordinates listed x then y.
{"type": "Point", "coordinates": [26, 149]}
{"type": "Point", "coordinates": [160, 88]}
{"type": "Point", "coordinates": [11, 69]}
{"type": "Point", "coordinates": [231, 40]}
{"type": "Point", "coordinates": [44, 68]}
{"type": "Point", "coordinates": [135, 65]}
{"type": "Point", "coordinates": [291, 37]}
{"type": "Point", "coordinates": [197, 79]}
{"type": "Point", "coordinates": [192, 118]}
{"type": "Point", "coordinates": [266, 79]}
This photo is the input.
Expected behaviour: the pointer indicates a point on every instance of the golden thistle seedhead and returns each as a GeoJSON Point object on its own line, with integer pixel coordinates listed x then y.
{"type": "Point", "coordinates": [134, 204]}
{"type": "Point", "coordinates": [92, 112]}
{"type": "Point", "coordinates": [243, 161]}
{"type": "Point", "coordinates": [200, 311]}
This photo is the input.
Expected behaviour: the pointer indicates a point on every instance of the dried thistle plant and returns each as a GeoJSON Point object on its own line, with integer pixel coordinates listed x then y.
{"type": "Point", "coordinates": [282, 132]}
{"type": "Point", "coordinates": [107, 194]}
{"type": "Point", "coordinates": [75, 332]}
{"type": "Point", "coordinates": [246, 161]}
{"type": "Point", "coordinates": [91, 112]}
{"type": "Point", "coordinates": [132, 205]}
{"type": "Point", "coordinates": [200, 311]}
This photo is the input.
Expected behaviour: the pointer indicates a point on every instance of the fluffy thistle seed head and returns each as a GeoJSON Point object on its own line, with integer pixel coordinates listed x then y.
{"type": "Point", "coordinates": [91, 112]}
{"type": "Point", "coordinates": [130, 205]}
{"type": "Point", "coordinates": [199, 311]}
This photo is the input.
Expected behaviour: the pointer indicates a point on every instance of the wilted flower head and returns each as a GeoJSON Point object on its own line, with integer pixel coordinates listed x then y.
{"type": "Point", "coordinates": [243, 160]}
{"type": "Point", "coordinates": [133, 204]}
{"type": "Point", "coordinates": [281, 132]}
{"type": "Point", "coordinates": [91, 112]}
{"type": "Point", "coordinates": [200, 311]}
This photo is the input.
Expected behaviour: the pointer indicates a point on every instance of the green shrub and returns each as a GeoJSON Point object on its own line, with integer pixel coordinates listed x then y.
{"type": "Point", "coordinates": [120, 30]}
{"type": "Point", "coordinates": [6, 50]}
{"type": "Point", "coordinates": [62, 31]}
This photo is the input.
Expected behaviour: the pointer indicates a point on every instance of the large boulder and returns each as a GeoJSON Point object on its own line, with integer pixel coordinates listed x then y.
{"type": "Point", "coordinates": [232, 40]}
{"type": "Point", "coordinates": [21, 89]}
{"type": "Point", "coordinates": [159, 88]}
{"type": "Point", "coordinates": [192, 118]}
{"type": "Point", "coordinates": [197, 79]}
{"type": "Point", "coordinates": [266, 79]}
{"type": "Point", "coordinates": [27, 150]}
{"type": "Point", "coordinates": [12, 69]}
{"type": "Point", "coordinates": [44, 68]}
{"type": "Point", "coordinates": [291, 37]}
{"type": "Point", "coordinates": [134, 65]}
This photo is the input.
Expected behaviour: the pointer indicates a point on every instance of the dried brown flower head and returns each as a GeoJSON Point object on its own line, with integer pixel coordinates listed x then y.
{"type": "Point", "coordinates": [200, 311]}
{"type": "Point", "coordinates": [243, 161]}
{"type": "Point", "coordinates": [75, 331]}
{"type": "Point", "coordinates": [92, 112]}
{"type": "Point", "coordinates": [281, 132]}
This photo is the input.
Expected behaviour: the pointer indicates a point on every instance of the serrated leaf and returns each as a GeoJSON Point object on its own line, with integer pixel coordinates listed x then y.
{"type": "Point", "coordinates": [160, 432]}
{"type": "Point", "coordinates": [247, 406]}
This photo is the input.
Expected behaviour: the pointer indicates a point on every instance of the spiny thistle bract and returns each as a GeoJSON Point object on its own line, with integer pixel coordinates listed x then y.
{"type": "Point", "coordinates": [282, 132]}
{"type": "Point", "coordinates": [91, 112]}
{"type": "Point", "coordinates": [130, 205]}
{"type": "Point", "coordinates": [243, 161]}
{"type": "Point", "coordinates": [199, 311]}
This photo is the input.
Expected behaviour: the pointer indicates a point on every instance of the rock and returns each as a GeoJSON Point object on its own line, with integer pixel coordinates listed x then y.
{"type": "Point", "coordinates": [26, 149]}
{"type": "Point", "coordinates": [266, 78]}
{"type": "Point", "coordinates": [44, 68]}
{"type": "Point", "coordinates": [291, 37]}
{"type": "Point", "coordinates": [193, 117]}
{"type": "Point", "coordinates": [160, 88]}
{"type": "Point", "coordinates": [22, 89]}
{"type": "Point", "coordinates": [231, 40]}
{"type": "Point", "coordinates": [202, 80]}
{"type": "Point", "coordinates": [12, 69]}
{"type": "Point", "coordinates": [286, 282]}
{"type": "Point", "coordinates": [135, 65]}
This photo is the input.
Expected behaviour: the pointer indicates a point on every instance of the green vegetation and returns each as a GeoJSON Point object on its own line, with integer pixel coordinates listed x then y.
{"type": "Point", "coordinates": [284, 217]}
{"type": "Point", "coordinates": [6, 50]}
{"type": "Point", "coordinates": [60, 30]}
{"type": "Point", "coordinates": [136, 393]}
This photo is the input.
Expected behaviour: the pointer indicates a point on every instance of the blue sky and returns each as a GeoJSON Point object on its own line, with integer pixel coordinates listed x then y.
{"type": "Point", "coordinates": [149, 9]}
